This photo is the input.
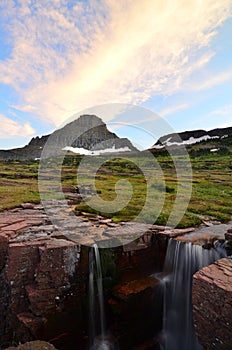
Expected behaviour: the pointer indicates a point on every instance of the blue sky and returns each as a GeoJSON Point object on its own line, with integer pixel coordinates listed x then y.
{"type": "Point", "coordinates": [57, 58]}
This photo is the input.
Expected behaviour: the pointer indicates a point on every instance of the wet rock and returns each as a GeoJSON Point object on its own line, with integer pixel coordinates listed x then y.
{"type": "Point", "coordinates": [212, 305]}
{"type": "Point", "coordinates": [131, 304]}
{"type": "Point", "coordinates": [228, 235]}
{"type": "Point", "coordinates": [125, 291]}
{"type": "Point", "coordinates": [175, 232]}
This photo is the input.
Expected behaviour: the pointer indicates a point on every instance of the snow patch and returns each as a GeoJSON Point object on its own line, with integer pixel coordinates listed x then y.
{"type": "Point", "coordinates": [192, 140]}
{"type": "Point", "coordinates": [96, 152]}
{"type": "Point", "coordinates": [214, 149]}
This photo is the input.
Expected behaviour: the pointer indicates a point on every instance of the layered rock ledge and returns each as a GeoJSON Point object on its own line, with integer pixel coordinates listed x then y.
{"type": "Point", "coordinates": [212, 305]}
{"type": "Point", "coordinates": [44, 270]}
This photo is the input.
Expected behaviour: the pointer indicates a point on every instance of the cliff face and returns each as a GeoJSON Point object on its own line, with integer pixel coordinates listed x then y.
{"type": "Point", "coordinates": [88, 131]}
{"type": "Point", "coordinates": [44, 280]}
{"type": "Point", "coordinates": [212, 305]}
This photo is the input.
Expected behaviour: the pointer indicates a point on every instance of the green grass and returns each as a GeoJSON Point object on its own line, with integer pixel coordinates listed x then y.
{"type": "Point", "coordinates": [211, 197]}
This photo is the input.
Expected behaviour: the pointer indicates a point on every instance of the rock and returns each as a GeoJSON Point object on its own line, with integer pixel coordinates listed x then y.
{"type": "Point", "coordinates": [88, 131]}
{"type": "Point", "coordinates": [228, 236]}
{"type": "Point", "coordinates": [27, 206]}
{"type": "Point", "coordinates": [34, 345]}
{"type": "Point", "coordinates": [212, 305]}
{"type": "Point", "coordinates": [131, 304]}
{"type": "Point", "coordinates": [124, 291]}
{"type": "Point", "coordinates": [175, 232]}
{"type": "Point", "coordinates": [105, 221]}
{"type": "Point", "coordinates": [207, 223]}
{"type": "Point", "coordinates": [41, 265]}
{"type": "Point", "coordinates": [37, 272]}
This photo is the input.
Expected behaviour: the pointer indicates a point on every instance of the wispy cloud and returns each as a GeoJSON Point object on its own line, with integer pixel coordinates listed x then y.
{"type": "Point", "coordinates": [210, 81]}
{"type": "Point", "coordinates": [223, 111]}
{"type": "Point", "coordinates": [67, 57]}
{"type": "Point", "coordinates": [11, 128]}
{"type": "Point", "coordinates": [173, 109]}
{"type": "Point", "coordinates": [218, 118]}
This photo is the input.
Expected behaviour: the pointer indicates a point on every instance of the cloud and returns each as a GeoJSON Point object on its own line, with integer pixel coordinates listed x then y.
{"type": "Point", "coordinates": [173, 109]}
{"type": "Point", "coordinates": [11, 128]}
{"type": "Point", "coordinates": [210, 81]}
{"type": "Point", "coordinates": [217, 118]}
{"type": "Point", "coordinates": [68, 55]}
{"type": "Point", "coordinates": [223, 111]}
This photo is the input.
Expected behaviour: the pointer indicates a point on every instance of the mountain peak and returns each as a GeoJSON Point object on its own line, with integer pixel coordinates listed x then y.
{"type": "Point", "coordinates": [86, 133]}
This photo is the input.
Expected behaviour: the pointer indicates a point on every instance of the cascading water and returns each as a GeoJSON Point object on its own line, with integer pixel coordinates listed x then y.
{"type": "Point", "coordinates": [181, 262]}
{"type": "Point", "coordinates": [101, 341]}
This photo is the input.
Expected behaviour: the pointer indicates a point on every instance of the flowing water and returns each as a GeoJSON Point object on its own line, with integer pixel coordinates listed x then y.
{"type": "Point", "coordinates": [181, 262]}
{"type": "Point", "coordinates": [100, 341]}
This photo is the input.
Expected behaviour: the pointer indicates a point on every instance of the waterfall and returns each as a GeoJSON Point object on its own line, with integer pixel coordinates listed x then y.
{"type": "Point", "coordinates": [181, 262]}
{"type": "Point", "coordinates": [101, 341]}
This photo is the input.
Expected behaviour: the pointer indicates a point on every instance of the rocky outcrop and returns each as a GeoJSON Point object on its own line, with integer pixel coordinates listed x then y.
{"type": "Point", "coordinates": [212, 305]}
{"type": "Point", "coordinates": [34, 345]}
{"type": "Point", "coordinates": [44, 272]}
{"type": "Point", "coordinates": [37, 272]}
{"type": "Point", "coordinates": [88, 132]}
{"type": "Point", "coordinates": [44, 276]}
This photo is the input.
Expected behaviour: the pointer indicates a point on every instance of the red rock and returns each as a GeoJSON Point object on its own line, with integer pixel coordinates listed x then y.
{"type": "Point", "coordinates": [3, 250]}
{"type": "Point", "coordinates": [42, 299]}
{"type": "Point", "coordinates": [3, 238]}
{"type": "Point", "coordinates": [124, 291]}
{"type": "Point", "coordinates": [31, 322]}
{"type": "Point", "coordinates": [34, 221]}
{"type": "Point", "coordinates": [15, 227]}
{"type": "Point", "coordinates": [212, 305]}
{"type": "Point", "coordinates": [10, 234]}
{"type": "Point", "coordinates": [10, 219]}
{"type": "Point", "coordinates": [37, 272]}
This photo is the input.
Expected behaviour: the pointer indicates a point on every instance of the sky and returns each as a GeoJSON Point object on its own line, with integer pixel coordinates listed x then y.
{"type": "Point", "coordinates": [172, 59]}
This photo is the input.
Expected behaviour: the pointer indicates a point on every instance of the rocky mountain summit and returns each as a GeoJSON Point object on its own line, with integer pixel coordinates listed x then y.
{"type": "Point", "coordinates": [88, 132]}
{"type": "Point", "coordinates": [203, 139]}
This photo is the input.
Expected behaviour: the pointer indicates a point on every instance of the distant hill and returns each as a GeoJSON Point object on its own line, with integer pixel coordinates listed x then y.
{"type": "Point", "coordinates": [198, 141]}
{"type": "Point", "coordinates": [86, 135]}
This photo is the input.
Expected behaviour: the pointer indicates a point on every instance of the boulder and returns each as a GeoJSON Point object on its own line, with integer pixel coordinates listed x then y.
{"type": "Point", "coordinates": [34, 345]}
{"type": "Point", "coordinates": [212, 305]}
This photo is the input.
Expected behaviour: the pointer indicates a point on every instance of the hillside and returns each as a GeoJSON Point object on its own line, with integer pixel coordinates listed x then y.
{"type": "Point", "coordinates": [197, 141]}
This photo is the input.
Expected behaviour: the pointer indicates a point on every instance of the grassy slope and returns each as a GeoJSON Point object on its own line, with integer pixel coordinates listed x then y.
{"type": "Point", "coordinates": [211, 196]}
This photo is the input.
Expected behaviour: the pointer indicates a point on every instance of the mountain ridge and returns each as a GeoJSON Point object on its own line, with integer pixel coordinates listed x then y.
{"type": "Point", "coordinates": [195, 138]}
{"type": "Point", "coordinates": [87, 132]}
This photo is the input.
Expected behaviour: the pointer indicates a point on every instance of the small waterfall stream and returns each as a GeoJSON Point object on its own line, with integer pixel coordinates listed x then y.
{"type": "Point", "coordinates": [97, 341]}
{"type": "Point", "coordinates": [181, 262]}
